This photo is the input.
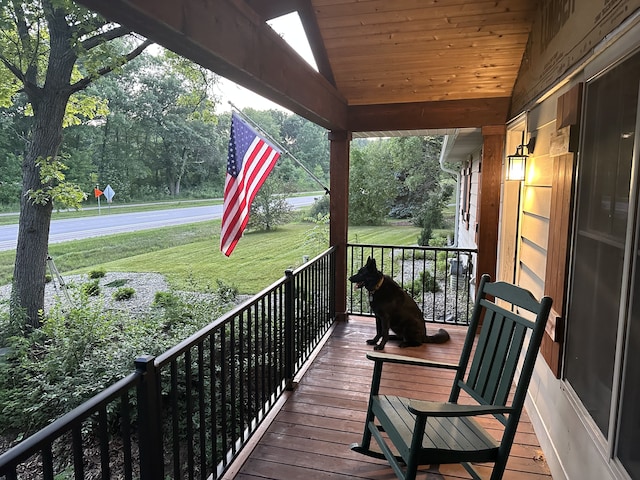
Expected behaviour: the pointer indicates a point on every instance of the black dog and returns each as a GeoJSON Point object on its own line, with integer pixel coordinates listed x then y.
{"type": "Point", "coordinates": [394, 309]}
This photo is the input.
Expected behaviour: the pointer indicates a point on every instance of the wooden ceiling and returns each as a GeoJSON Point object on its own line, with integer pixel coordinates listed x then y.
{"type": "Point", "coordinates": [384, 64]}
{"type": "Point", "coordinates": [401, 51]}
{"type": "Point", "coordinates": [381, 51]}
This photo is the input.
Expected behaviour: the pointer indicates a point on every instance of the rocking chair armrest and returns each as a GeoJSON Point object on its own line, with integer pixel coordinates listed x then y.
{"type": "Point", "coordinates": [405, 360]}
{"type": "Point", "coordinates": [446, 409]}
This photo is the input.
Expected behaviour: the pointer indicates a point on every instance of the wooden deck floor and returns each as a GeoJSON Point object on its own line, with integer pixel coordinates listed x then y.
{"type": "Point", "coordinates": [309, 437]}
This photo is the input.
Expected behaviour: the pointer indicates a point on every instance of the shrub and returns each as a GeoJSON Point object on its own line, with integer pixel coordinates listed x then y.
{"type": "Point", "coordinates": [320, 207]}
{"type": "Point", "coordinates": [165, 300]}
{"type": "Point", "coordinates": [77, 353]}
{"type": "Point", "coordinates": [317, 238]}
{"type": "Point", "coordinates": [443, 262]}
{"type": "Point", "coordinates": [226, 292]}
{"type": "Point", "coordinates": [97, 273]}
{"type": "Point", "coordinates": [420, 254]}
{"type": "Point", "coordinates": [53, 369]}
{"type": "Point", "coordinates": [123, 293]}
{"type": "Point", "coordinates": [91, 289]}
{"type": "Point", "coordinates": [425, 283]}
{"type": "Point", "coordinates": [425, 235]}
{"type": "Point", "coordinates": [438, 241]}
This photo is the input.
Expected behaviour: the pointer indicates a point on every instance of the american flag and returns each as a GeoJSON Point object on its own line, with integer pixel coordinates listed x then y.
{"type": "Point", "coordinates": [251, 159]}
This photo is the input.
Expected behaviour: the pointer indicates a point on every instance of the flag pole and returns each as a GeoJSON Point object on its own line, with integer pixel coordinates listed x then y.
{"type": "Point", "coordinates": [284, 150]}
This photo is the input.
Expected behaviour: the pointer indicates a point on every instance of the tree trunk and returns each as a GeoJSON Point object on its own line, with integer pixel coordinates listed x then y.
{"type": "Point", "coordinates": [33, 231]}
{"type": "Point", "coordinates": [49, 104]}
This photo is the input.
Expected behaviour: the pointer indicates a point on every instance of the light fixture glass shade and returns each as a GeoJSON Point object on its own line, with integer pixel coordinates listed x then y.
{"type": "Point", "coordinates": [516, 167]}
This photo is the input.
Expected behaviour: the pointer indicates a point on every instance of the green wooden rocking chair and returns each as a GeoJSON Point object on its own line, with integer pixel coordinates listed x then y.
{"type": "Point", "coordinates": [413, 432]}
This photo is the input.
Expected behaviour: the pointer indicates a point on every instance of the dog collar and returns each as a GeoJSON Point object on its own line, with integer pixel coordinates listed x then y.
{"type": "Point", "coordinates": [378, 285]}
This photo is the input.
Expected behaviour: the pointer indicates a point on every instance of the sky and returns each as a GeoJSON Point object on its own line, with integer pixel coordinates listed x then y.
{"type": "Point", "coordinates": [290, 29]}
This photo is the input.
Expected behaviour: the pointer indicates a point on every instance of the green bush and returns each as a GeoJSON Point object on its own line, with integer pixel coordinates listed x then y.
{"type": "Point", "coordinates": [438, 241]}
{"type": "Point", "coordinates": [425, 235]}
{"type": "Point", "coordinates": [123, 293]}
{"type": "Point", "coordinates": [320, 207]}
{"type": "Point", "coordinates": [97, 273]}
{"type": "Point", "coordinates": [51, 370]}
{"type": "Point", "coordinates": [425, 283]}
{"type": "Point", "coordinates": [165, 300]}
{"type": "Point", "coordinates": [91, 289]}
{"type": "Point", "coordinates": [226, 291]}
{"type": "Point", "coordinates": [77, 353]}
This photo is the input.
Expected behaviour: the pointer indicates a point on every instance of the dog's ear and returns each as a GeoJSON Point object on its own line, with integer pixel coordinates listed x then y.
{"type": "Point", "coordinates": [371, 263]}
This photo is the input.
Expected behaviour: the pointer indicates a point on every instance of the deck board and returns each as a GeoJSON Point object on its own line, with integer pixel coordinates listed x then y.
{"type": "Point", "coordinates": [309, 437]}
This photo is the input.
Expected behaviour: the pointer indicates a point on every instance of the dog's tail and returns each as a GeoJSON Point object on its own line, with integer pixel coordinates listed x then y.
{"type": "Point", "coordinates": [440, 336]}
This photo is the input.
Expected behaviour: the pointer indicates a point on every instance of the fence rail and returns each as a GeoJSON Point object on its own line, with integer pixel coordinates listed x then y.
{"type": "Point", "coordinates": [438, 278]}
{"type": "Point", "coordinates": [188, 412]}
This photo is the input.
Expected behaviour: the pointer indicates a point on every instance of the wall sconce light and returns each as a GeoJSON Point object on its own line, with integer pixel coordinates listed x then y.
{"type": "Point", "coordinates": [517, 163]}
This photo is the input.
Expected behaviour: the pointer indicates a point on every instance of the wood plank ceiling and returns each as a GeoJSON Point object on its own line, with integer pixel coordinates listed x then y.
{"type": "Point", "coordinates": [412, 50]}
{"type": "Point", "coordinates": [399, 51]}
{"type": "Point", "coordinates": [394, 64]}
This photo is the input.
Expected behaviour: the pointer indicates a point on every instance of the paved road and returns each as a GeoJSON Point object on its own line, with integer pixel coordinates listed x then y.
{"type": "Point", "coordinates": [109, 223]}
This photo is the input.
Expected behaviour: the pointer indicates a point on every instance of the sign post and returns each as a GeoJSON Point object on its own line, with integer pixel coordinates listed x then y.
{"type": "Point", "coordinates": [97, 192]}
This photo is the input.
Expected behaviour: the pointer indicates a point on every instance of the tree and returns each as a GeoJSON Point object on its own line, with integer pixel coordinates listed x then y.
{"type": "Point", "coordinates": [269, 207]}
{"type": "Point", "coordinates": [54, 49]}
{"type": "Point", "coordinates": [372, 185]}
{"type": "Point", "coordinates": [176, 108]}
{"type": "Point", "coordinates": [417, 169]}
{"type": "Point", "coordinates": [308, 143]}
{"type": "Point", "coordinates": [10, 147]}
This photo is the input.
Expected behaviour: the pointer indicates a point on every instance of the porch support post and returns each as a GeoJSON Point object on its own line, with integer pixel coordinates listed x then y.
{"type": "Point", "coordinates": [339, 210]}
{"type": "Point", "coordinates": [488, 214]}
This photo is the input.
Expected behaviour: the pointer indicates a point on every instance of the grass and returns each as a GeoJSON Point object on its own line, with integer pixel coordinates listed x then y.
{"type": "Point", "coordinates": [190, 254]}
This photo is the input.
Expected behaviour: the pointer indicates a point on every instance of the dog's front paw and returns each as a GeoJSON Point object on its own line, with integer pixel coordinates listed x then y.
{"type": "Point", "coordinates": [372, 341]}
{"type": "Point", "coordinates": [379, 347]}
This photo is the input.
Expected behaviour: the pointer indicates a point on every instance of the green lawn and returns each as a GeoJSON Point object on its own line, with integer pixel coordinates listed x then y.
{"type": "Point", "coordinates": [190, 254]}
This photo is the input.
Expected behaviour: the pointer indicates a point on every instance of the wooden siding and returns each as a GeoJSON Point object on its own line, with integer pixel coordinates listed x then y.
{"type": "Point", "coordinates": [563, 33]}
{"type": "Point", "coordinates": [534, 219]}
{"type": "Point", "coordinates": [310, 436]}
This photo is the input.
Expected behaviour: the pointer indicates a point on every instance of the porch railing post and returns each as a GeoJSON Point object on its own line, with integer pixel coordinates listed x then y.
{"type": "Point", "coordinates": [332, 284]}
{"type": "Point", "coordinates": [289, 337]}
{"type": "Point", "coordinates": [149, 415]}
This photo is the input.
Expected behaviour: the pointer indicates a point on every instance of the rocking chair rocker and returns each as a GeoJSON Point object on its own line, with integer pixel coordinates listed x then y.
{"type": "Point", "coordinates": [426, 433]}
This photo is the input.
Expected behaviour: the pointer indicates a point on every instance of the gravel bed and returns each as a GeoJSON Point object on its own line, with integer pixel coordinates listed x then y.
{"type": "Point", "coordinates": [145, 285]}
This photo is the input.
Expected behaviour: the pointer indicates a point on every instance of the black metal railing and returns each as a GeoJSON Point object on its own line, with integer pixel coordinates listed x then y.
{"type": "Point", "coordinates": [438, 278]}
{"type": "Point", "coordinates": [187, 413]}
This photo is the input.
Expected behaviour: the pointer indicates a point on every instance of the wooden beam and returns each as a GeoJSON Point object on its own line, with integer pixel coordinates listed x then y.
{"type": "Point", "coordinates": [229, 38]}
{"type": "Point", "coordinates": [316, 42]}
{"type": "Point", "coordinates": [339, 213]}
{"type": "Point", "coordinates": [270, 9]}
{"type": "Point", "coordinates": [472, 113]}
{"type": "Point", "coordinates": [488, 213]}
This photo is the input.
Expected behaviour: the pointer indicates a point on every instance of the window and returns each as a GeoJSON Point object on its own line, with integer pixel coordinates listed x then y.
{"type": "Point", "coordinates": [602, 277]}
